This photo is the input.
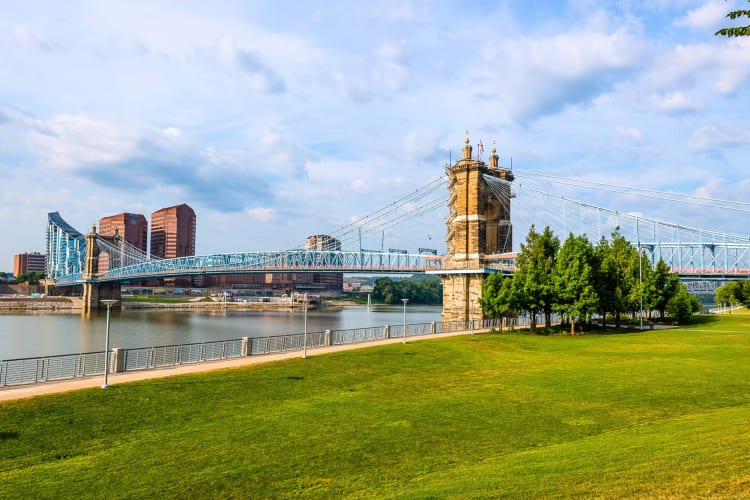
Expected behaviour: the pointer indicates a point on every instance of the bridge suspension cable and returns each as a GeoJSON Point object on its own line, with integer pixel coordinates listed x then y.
{"type": "Point", "coordinates": [424, 200]}
{"type": "Point", "coordinates": [703, 201]}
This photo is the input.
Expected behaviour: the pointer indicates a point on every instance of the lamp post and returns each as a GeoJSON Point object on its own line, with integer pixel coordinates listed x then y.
{"type": "Point", "coordinates": [108, 303]}
{"type": "Point", "coordinates": [640, 280]}
{"type": "Point", "coordinates": [404, 301]}
{"type": "Point", "coordinates": [304, 341]}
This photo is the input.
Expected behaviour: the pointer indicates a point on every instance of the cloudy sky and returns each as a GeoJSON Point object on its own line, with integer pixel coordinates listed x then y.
{"type": "Point", "coordinates": [275, 120]}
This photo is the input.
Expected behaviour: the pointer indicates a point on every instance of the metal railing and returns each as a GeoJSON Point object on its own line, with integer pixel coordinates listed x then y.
{"type": "Point", "coordinates": [15, 372]}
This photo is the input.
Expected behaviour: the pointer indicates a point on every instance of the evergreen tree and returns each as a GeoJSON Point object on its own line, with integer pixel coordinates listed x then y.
{"type": "Point", "coordinates": [533, 276]}
{"type": "Point", "coordinates": [498, 298]}
{"type": "Point", "coordinates": [574, 290]}
{"type": "Point", "coordinates": [620, 270]}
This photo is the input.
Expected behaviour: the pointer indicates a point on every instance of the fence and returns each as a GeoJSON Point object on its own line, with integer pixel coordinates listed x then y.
{"type": "Point", "coordinates": [52, 368]}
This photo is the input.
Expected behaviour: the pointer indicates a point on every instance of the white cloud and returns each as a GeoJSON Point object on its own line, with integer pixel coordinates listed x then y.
{"type": "Point", "coordinates": [66, 142]}
{"type": "Point", "coordinates": [706, 17]}
{"type": "Point", "coordinates": [714, 136]}
{"type": "Point", "coordinates": [261, 214]}
{"type": "Point", "coordinates": [673, 102]}
{"type": "Point", "coordinates": [542, 75]}
{"type": "Point", "coordinates": [630, 133]}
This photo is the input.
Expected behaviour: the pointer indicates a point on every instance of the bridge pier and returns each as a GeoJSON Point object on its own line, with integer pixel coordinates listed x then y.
{"type": "Point", "coordinates": [478, 226]}
{"type": "Point", "coordinates": [94, 292]}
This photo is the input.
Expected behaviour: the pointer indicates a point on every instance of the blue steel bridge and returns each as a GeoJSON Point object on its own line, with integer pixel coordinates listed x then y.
{"type": "Point", "coordinates": [704, 258]}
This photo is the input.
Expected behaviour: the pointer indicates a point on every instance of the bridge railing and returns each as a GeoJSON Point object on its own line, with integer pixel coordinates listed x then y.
{"type": "Point", "coordinates": [20, 371]}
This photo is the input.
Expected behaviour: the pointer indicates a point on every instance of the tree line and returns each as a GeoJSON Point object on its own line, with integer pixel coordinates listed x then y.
{"type": "Point", "coordinates": [579, 280]}
{"type": "Point", "coordinates": [428, 290]}
{"type": "Point", "coordinates": [736, 293]}
{"type": "Point", "coordinates": [30, 277]}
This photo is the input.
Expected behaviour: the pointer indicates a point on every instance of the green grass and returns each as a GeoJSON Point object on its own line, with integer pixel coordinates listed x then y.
{"type": "Point", "coordinates": [661, 413]}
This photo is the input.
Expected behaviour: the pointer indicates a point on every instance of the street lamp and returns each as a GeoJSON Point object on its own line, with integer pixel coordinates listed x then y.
{"type": "Point", "coordinates": [404, 301]}
{"type": "Point", "coordinates": [304, 341]}
{"type": "Point", "coordinates": [640, 280]}
{"type": "Point", "coordinates": [108, 303]}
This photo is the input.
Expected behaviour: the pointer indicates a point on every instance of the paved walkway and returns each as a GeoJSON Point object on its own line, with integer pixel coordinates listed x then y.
{"type": "Point", "coordinates": [31, 390]}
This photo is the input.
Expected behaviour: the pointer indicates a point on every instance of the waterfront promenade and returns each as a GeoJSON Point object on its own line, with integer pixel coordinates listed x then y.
{"type": "Point", "coordinates": [31, 390]}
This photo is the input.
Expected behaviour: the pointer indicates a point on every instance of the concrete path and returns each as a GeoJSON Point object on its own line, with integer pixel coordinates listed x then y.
{"type": "Point", "coordinates": [31, 390]}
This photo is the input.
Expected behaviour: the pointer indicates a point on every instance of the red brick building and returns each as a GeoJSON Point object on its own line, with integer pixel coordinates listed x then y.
{"type": "Point", "coordinates": [133, 228]}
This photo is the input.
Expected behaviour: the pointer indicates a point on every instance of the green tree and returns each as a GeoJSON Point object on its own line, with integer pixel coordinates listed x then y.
{"type": "Point", "coordinates": [385, 291]}
{"type": "Point", "coordinates": [680, 306]}
{"type": "Point", "coordinates": [666, 285]}
{"type": "Point", "coordinates": [31, 277]}
{"type": "Point", "coordinates": [498, 298]}
{"type": "Point", "coordinates": [619, 269]}
{"type": "Point", "coordinates": [736, 30]}
{"type": "Point", "coordinates": [533, 276]}
{"type": "Point", "coordinates": [574, 293]}
{"type": "Point", "coordinates": [734, 293]}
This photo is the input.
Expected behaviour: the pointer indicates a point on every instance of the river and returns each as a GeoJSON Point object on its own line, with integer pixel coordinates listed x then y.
{"type": "Point", "coordinates": [49, 334]}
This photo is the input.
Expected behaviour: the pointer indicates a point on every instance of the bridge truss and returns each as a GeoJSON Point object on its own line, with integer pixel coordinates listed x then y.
{"type": "Point", "coordinates": [274, 261]}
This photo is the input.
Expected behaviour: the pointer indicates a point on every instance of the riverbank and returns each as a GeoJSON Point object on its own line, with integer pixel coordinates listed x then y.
{"type": "Point", "coordinates": [75, 304]}
{"type": "Point", "coordinates": [23, 304]}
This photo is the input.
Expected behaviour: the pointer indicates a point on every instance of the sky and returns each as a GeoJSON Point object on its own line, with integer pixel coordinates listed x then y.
{"type": "Point", "coordinates": [275, 120]}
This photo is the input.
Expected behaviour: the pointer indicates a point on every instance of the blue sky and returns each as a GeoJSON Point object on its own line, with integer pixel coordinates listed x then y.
{"type": "Point", "coordinates": [276, 120]}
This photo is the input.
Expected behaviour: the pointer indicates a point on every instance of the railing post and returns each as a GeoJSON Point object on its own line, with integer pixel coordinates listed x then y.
{"type": "Point", "coordinates": [387, 331]}
{"type": "Point", "coordinates": [118, 360]}
{"type": "Point", "coordinates": [432, 327]}
{"type": "Point", "coordinates": [327, 338]}
{"type": "Point", "coordinates": [244, 346]}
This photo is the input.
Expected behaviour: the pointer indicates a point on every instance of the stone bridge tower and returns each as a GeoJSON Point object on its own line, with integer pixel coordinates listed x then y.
{"type": "Point", "coordinates": [478, 226]}
{"type": "Point", "coordinates": [93, 289]}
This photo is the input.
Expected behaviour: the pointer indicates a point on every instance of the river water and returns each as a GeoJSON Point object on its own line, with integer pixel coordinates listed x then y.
{"type": "Point", "coordinates": [48, 334]}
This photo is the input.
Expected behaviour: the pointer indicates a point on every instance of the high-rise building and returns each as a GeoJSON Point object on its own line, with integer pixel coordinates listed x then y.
{"type": "Point", "coordinates": [133, 228]}
{"type": "Point", "coordinates": [173, 232]}
{"type": "Point", "coordinates": [323, 281]}
{"type": "Point", "coordinates": [322, 242]}
{"type": "Point", "coordinates": [30, 261]}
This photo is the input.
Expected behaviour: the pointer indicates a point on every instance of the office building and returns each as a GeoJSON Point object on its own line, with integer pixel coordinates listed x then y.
{"type": "Point", "coordinates": [132, 228]}
{"type": "Point", "coordinates": [172, 236]}
{"type": "Point", "coordinates": [173, 232]}
{"type": "Point", "coordinates": [30, 261]}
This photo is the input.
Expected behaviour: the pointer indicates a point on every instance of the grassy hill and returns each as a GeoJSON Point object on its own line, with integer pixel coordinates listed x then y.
{"type": "Point", "coordinates": [655, 414]}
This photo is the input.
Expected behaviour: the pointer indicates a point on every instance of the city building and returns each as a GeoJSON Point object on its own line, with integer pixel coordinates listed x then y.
{"type": "Point", "coordinates": [173, 232]}
{"type": "Point", "coordinates": [320, 282]}
{"type": "Point", "coordinates": [173, 235]}
{"type": "Point", "coordinates": [322, 242]}
{"type": "Point", "coordinates": [30, 261]}
{"type": "Point", "coordinates": [133, 228]}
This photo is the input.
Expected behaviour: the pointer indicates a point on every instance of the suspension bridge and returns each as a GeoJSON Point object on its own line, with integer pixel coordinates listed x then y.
{"type": "Point", "coordinates": [703, 258]}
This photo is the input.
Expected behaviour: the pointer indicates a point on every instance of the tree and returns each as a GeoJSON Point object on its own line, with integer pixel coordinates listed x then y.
{"type": "Point", "coordinates": [680, 307]}
{"type": "Point", "coordinates": [666, 285]}
{"type": "Point", "coordinates": [421, 291]}
{"type": "Point", "coordinates": [498, 298]}
{"type": "Point", "coordinates": [385, 290]}
{"type": "Point", "coordinates": [573, 280]}
{"type": "Point", "coordinates": [736, 30]}
{"type": "Point", "coordinates": [533, 276]}
{"type": "Point", "coordinates": [32, 277]}
{"type": "Point", "coordinates": [619, 269]}
{"type": "Point", "coordinates": [734, 292]}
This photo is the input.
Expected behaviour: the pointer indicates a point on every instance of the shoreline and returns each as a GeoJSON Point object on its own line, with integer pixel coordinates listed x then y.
{"type": "Point", "coordinates": [74, 304]}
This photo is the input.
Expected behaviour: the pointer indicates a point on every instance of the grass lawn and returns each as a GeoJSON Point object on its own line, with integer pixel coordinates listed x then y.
{"type": "Point", "coordinates": [662, 413]}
